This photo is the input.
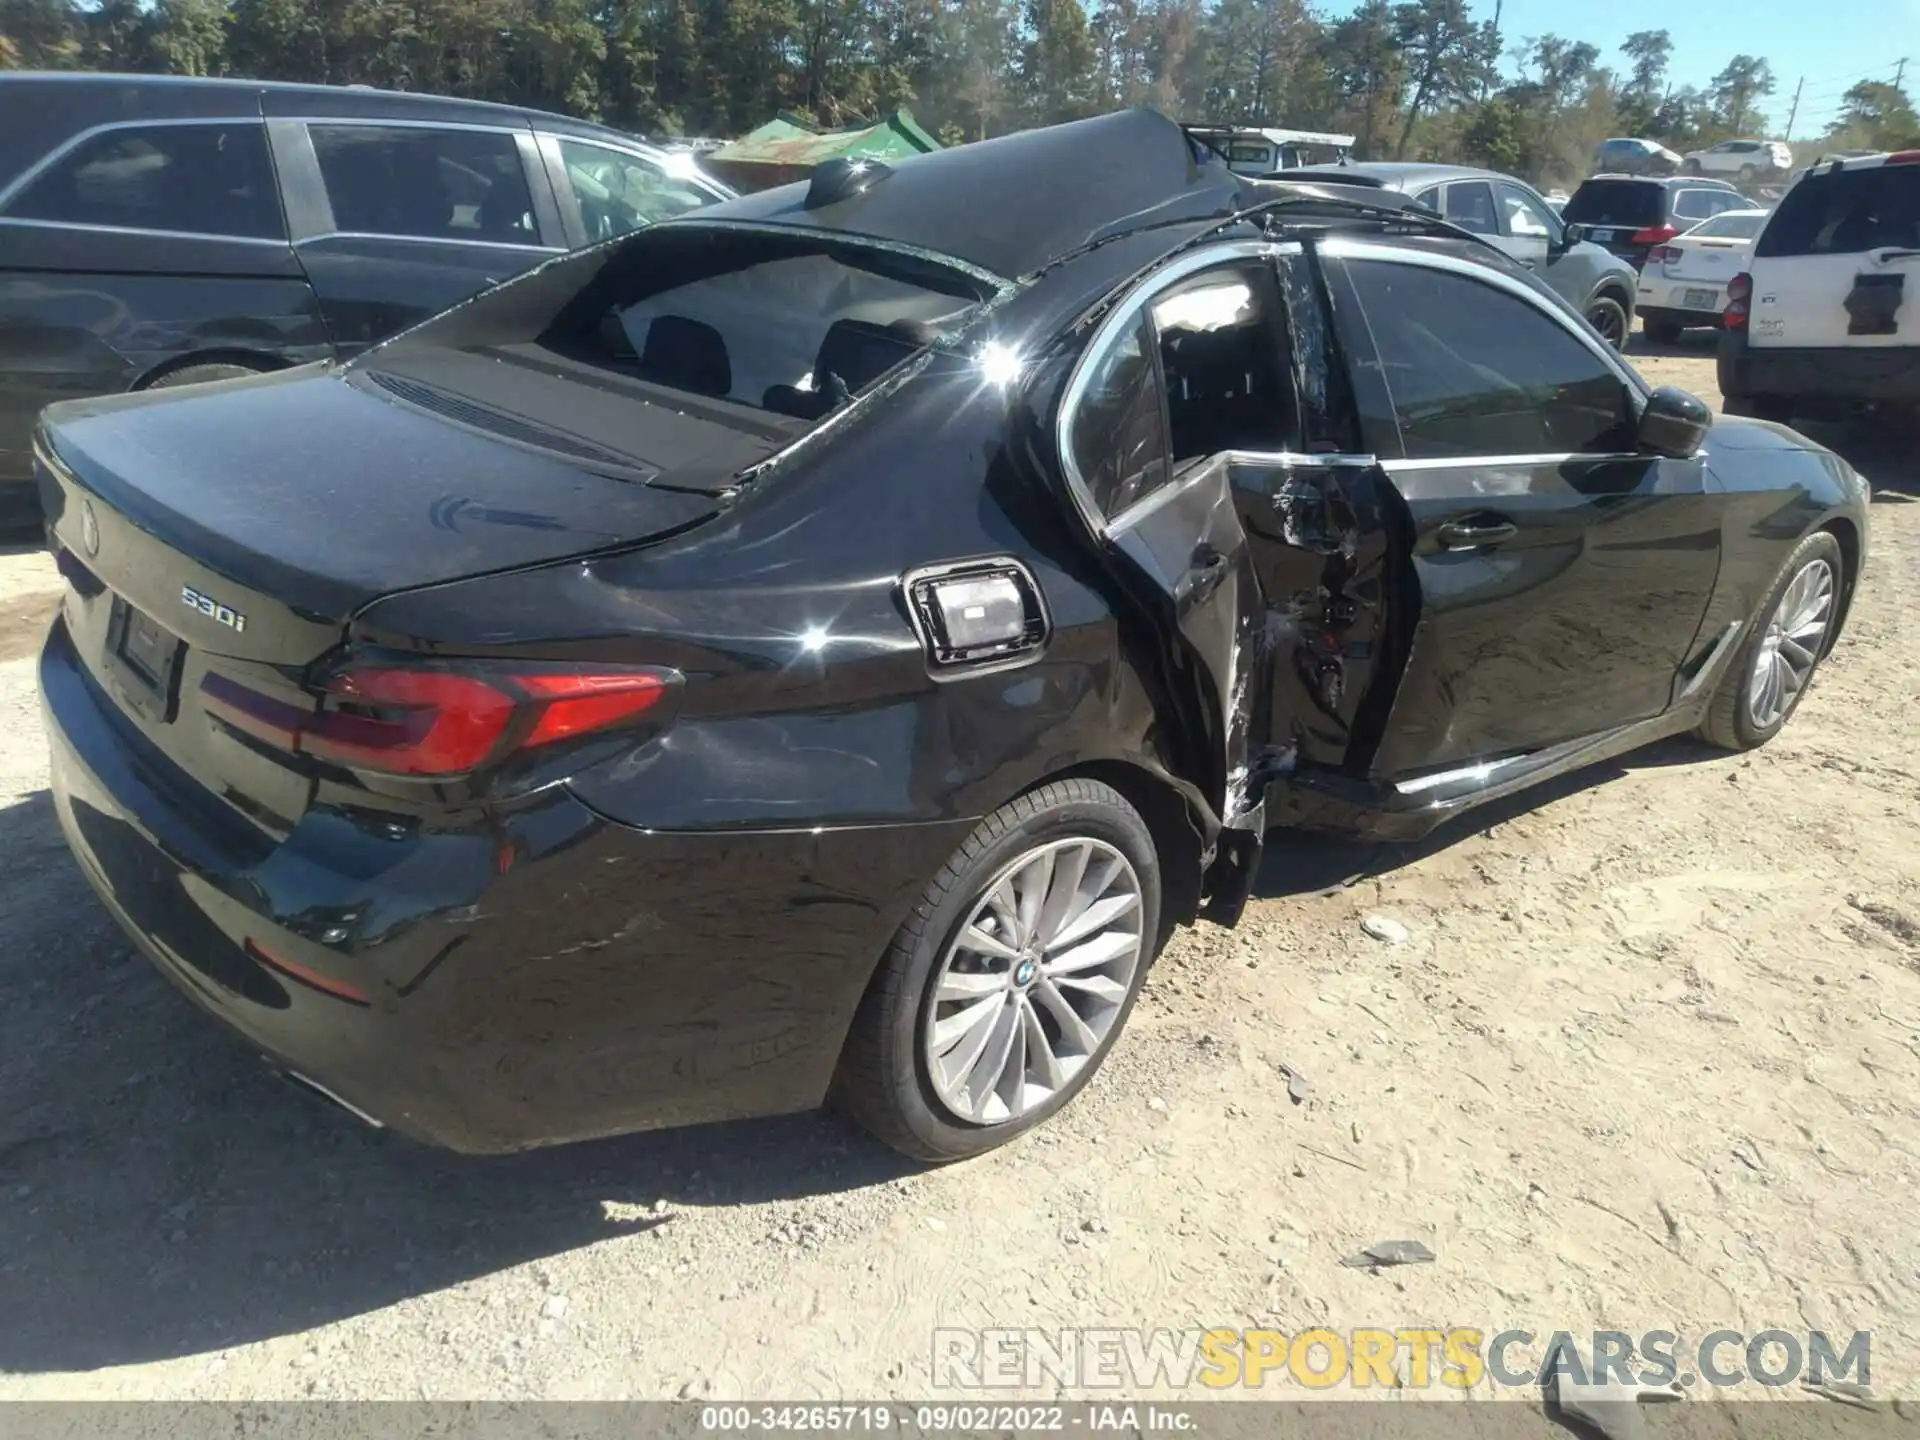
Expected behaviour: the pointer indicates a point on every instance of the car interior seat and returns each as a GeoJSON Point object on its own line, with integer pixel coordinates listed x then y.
{"type": "Point", "coordinates": [853, 354]}
{"type": "Point", "coordinates": [686, 354]}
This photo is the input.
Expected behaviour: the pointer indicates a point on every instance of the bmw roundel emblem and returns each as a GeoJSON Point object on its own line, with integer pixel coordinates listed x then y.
{"type": "Point", "coordinates": [89, 529]}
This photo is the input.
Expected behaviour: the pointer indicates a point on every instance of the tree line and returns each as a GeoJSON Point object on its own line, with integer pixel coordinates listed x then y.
{"type": "Point", "coordinates": [1420, 79]}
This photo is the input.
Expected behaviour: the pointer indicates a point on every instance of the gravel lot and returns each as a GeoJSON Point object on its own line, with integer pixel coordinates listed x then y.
{"type": "Point", "coordinates": [1650, 1058]}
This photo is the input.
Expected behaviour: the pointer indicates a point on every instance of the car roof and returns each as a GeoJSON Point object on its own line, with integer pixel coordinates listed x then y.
{"type": "Point", "coordinates": [1666, 182]}
{"type": "Point", "coordinates": [46, 108]}
{"type": "Point", "coordinates": [1392, 174]}
{"type": "Point", "coordinates": [1069, 185]}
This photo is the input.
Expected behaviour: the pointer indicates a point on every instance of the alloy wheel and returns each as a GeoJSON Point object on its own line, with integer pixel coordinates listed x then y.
{"type": "Point", "coordinates": [1034, 980]}
{"type": "Point", "coordinates": [1796, 632]}
{"type": "Point", "coordinates": [1611, 322]}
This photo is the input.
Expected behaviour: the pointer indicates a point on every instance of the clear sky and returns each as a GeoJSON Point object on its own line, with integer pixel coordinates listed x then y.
{"type": "Point", "coordinates": [1832, 43]}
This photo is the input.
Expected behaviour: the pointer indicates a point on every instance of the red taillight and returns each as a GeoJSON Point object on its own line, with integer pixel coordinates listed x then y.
{"type": "Point", "coordinates": [1739, 294]}
{"type": "Point", "coordinates": [1655, 235]}
{"type": "Point", "coordinates": [1904, 157]}
{"type": "Point", "coordinates": [409, 722]}
{"type": "Point", "coordinates": [1665, 255]}
{"type": "Point", "coordinates": [439, 722]}
{"type": "Point", "coordinates": [581, 704]}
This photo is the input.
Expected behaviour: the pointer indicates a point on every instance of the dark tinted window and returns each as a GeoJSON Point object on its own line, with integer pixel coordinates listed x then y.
{"type": "Point", "coordinates": [1476, 371]}
{"type": "Point", "coordinates": [437, 184]}
{"type": "Point", "coordinates": [194, 179]}
{"type": "Point", "coordinates": [1119, 437]}
{"type": "Point", "coordinates": [1847, 212]}
{"type": "Point", "coordinates": [1220, 359]}
{"type": "Point", "coordinates": [1615, 202]}
{"type": "Point", "coordinates": [1470, 206]}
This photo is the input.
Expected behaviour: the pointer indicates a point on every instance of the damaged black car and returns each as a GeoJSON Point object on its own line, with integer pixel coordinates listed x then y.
{"type": "Point", "coordinates": [823, 646]}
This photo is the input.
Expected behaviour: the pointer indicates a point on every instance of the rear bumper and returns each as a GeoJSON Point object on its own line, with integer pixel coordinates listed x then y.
{"type": "Point", "coordinates": [545, 976]}
{"type": "Point", "coordinates": [1667, 300]}
{"type": "Point", "coordinates": [1836, 373]}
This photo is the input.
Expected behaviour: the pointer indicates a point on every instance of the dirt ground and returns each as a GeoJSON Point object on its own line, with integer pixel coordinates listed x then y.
{"type": "Point", "coordinates": [1650, 1059]}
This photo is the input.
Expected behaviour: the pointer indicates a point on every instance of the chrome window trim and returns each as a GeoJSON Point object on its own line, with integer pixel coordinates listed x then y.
{"type": "Point", "coordinates": [26, 177]}
{"type": "Point", "coordinates": [380, 122]}
{"type": "Point", "coordinates": [1122, 313]}
{"type": "Point", "coordinates": [1277, 459]}
{"type": "Point", "coordinates": [1484, 462]}
{"type": "Point", "coordinates": [1346, 248]}
{"type": "Point", "coordinates": [427, 240]}
{"type": "Point", "coordinates": [216, 237]}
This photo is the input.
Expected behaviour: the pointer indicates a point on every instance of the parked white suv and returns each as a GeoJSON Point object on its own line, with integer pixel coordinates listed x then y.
{"type": "Point", "coordinates": [1740, 160]}
{"type": "Point", "coordinates": [1827, 314]}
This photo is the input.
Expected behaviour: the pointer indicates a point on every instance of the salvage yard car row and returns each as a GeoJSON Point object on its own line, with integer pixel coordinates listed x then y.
{"type": "Point", "coordinates": [821, 644]}
{"type": "Point", "coordinates": [157, 231]}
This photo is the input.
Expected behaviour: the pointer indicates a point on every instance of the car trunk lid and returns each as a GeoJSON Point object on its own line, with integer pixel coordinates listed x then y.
{"type": "Point", "coordinates": [230, 532]}
{"type": "Point", "coordinates": [1706, 259]}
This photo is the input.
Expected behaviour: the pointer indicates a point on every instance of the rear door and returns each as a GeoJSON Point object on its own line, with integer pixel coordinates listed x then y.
{"type": "Point", "coordinates": [1469, 204]}
{"type": "Point", "coordinates": [137, 243]}
{"type": "Point", "coordinates": [396, 221]}
{"type": "Point", "coordinates": [1839, 261]}
{"type": "Point", "coordinates": [1562, 576]}
{"type": "Point", "coordinates": [1146, 467]}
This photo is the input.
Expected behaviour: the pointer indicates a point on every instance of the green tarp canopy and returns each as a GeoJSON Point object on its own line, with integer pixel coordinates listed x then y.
{"type": "Point", "coordinates": [786, 148]}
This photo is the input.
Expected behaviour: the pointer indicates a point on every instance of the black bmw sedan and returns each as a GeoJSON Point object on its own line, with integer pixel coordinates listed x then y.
{"type": "Point", "coordinates": [824, 645]}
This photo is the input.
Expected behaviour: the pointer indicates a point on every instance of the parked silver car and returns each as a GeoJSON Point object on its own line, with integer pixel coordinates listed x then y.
{"type": "Point", "coordinates": [1512, 215]}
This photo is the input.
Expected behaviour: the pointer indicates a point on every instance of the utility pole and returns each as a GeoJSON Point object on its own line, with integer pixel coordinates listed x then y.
{"type": "Point", "coordinates": [1899, 72]}
{"type": "Point", "coordinates": [1796, 107]}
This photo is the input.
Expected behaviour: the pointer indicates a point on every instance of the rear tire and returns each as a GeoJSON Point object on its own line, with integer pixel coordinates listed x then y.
{"type": "Point", "coordinates": [1744, 713]}
{"type": "Point", "coordinates": [1609, 317]}
{"type": "Point", "coordinates": [885, 1078]}
{"type": "Point", "coordinates": [1747, 173]}
{"type": "Point", "coordinates": [201, 375]}
{"type": "Point", "coordinates": [1663, 332]}
{"type": "Point", "coordinates": [1690, 167]}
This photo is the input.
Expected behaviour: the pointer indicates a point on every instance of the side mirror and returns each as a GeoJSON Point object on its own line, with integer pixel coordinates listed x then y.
{"type": "Point", "coordinates": [1575, 234]}
{"type": "Point", "coordinates": [1674, 424]}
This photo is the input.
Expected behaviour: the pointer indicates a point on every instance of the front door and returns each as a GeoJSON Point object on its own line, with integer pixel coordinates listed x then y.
{"type": "Point", "coordinates": [1562, 576]}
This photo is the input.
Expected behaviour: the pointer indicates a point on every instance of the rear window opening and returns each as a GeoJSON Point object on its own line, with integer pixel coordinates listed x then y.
{"type": "Point", "coordinates": [683, 347]}
{"type": "Point", "coordinates": [1846, 212]}
{"type": "Point", "coordinates": [1615, 202]}
{"type": "Point", "coordinates": [794, 325]}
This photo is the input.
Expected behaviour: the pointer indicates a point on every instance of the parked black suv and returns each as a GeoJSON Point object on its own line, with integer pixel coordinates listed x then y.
{"type": "Point", "coordinates": [1631, 214]}
{"type": "Point", "coordinates": [162, 231]}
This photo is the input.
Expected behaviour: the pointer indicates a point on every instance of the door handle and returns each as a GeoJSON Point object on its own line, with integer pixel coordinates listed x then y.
{"type": "Point", "coordinates": [1205, 571]}
{"type": "Point", "coordinates": [1476, 533]}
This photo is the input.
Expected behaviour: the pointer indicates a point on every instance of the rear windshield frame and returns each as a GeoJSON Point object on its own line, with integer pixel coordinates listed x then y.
{"type": "Point", "coordinates": [1599, 194]}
